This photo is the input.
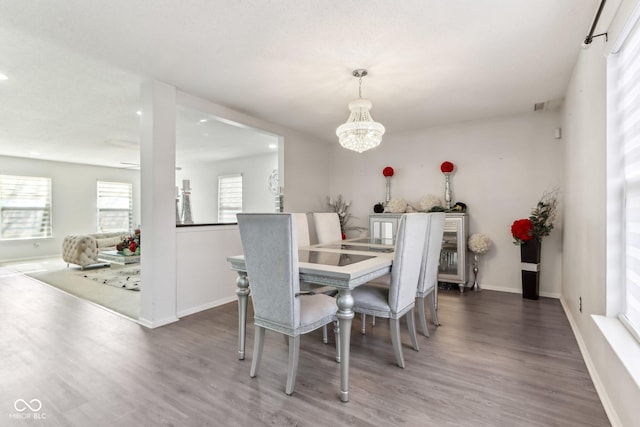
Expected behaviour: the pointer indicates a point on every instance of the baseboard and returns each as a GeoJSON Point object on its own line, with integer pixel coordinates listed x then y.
{"type": "Point", "coordinates": [518, 291]}
{"type": "Point", "coordinates": [206, 306]}
{"type": "Point", "coordinates": [593, 373]}
{"type": "Point", "coordinates": [156, 324]}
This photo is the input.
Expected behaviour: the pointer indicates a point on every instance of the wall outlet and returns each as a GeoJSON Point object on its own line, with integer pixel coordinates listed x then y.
{"type": "Point", "coordinates": [580, 304]}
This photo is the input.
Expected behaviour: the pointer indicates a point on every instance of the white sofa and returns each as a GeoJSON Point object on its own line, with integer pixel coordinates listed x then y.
{"type": "Point", "coordinates": [82, 249]}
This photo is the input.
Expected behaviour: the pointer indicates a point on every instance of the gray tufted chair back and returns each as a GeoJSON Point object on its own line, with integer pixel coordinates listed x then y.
{"type": "Point", "coordinates": [271, 255]}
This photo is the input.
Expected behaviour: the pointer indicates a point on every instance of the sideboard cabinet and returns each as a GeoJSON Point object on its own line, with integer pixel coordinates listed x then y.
{"type": "Point", "coordinates": [453, 257]}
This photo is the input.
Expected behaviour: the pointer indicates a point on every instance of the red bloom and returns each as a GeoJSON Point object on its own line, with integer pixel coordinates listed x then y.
{"type": "Point", "coordinates": [521, 230]}
{"type": "Point", "coordinates": [133, 246]}
{"type": "Point", "coordinates": [446, 167]}
{"type": "Point", "coordinates": [388, 171]}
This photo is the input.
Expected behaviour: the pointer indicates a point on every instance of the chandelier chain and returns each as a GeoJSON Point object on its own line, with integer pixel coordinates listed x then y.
{"type": "Point", "coordinates": [360, 87]}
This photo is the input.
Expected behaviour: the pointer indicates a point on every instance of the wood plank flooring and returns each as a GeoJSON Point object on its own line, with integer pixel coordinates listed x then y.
{"type": "Point", "coordinates": [497, 360]}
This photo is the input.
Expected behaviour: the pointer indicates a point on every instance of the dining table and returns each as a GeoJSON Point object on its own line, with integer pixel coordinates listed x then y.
{"type": "Point", "coordinates": [344, 265]}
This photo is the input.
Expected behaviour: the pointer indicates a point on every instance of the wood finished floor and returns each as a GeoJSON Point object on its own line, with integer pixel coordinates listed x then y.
{"type": "Point", "coordinates": [497, 360]}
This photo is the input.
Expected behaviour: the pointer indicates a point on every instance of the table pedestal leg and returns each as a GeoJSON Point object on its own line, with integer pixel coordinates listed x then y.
{"type": "Point", "coordinates": [345, 318]}
{"type": "Point", "coordinates": [242, 282]}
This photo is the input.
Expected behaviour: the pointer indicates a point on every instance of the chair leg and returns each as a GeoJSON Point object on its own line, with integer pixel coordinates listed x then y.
{"type": "Point", "coordinates": [432, 308]}
{"type": "Point", "coordinates": [394, 325]}
{"type": "Point", "coordinates": [336, 332]}
{"type": "Point", "coordinates": [294, 354]}
{"type": "Point", "coordinates": [422, 315]}
{"type": "Point", "coordinates": [411, 323]}
{"type": "Point", "coordinates": [363, 317]}
{"type": "Point", "coordinates": [325, 338]}
{"type": "Point", "coordinates": [257, 350]}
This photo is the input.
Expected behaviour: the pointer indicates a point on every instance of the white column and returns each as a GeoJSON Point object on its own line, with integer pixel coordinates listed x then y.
{"type": "Point", "coordinates": [157, 179]}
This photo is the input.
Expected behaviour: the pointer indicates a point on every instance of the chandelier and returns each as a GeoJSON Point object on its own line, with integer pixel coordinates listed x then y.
{"type": "Point", "coordinates": [360, 133]}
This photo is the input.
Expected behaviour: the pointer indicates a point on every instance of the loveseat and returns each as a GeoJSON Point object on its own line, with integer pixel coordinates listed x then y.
{"type": "Point", "coordinates": [82, 249]}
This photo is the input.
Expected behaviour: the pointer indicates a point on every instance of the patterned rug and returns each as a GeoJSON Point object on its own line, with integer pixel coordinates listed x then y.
{"type": "Point", "coordinates": [125, 278]}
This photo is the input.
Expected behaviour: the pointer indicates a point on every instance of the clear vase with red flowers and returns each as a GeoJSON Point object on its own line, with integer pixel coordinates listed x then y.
{"type": "Point", "coordinates": [388, 172]}
{"type": "Point", "coordinates": [446, 168]}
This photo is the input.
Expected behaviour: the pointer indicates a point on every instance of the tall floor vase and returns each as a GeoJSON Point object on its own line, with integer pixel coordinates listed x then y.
{"type": "Point", "coordinates": [530, 265]}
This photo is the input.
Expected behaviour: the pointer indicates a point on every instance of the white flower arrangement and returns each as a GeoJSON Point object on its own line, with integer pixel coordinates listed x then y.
{"type": "Point", "coordinates": [479, 243]}
{"type": "Point", "coordinates": [396, 205]}
{"type": "Point", "coordinates": [429, 202]}
{"type": "Point", "coordinates": [341, 207]}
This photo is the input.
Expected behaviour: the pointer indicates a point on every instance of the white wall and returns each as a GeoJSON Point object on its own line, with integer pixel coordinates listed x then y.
{"type": "Point", "coordinates": [73, 188]}
{"type": "Point", "coordinates": [503, 165]}
{"type": "Point", "coordinates": [584, 269]}
{"type": "Point", "coordinates": [204, 277]}
{"type": "Point", "coordinates": [203, 177]}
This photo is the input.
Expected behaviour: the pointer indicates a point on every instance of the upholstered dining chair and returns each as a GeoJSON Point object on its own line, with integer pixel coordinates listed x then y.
{"type": "Point", "coordinates": [302, 229]}
{"type": "Point", "coordinates": [302, 234]}
{"type": "Point", "coordinates": [327, 225]}
{"type": "Point", "coordinates": [399, 298]}
{"type": "Point", "coordinates": [271, 256]}
{"type": "Point", "coordinates": [428, 280]}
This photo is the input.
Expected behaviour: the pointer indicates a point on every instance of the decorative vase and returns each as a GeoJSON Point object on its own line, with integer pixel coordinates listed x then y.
{"type": "Point", "coordinates": [476, 265]}
{"type": "Point", "coordinates": [178, 219]}
{"type": "Point", "coordinates": [530, 258]}
{"type": "Point", "coordinates": [447, 191]}
{"type": "Point", "coordinates": [186, 207]}
{"type": "Point", "coordinates": [388, 196]}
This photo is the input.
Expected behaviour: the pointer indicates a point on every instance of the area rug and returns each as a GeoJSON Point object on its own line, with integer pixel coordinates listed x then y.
{"type": "Point", "coordinates": [73, 281]}
{"type": "Point", "coordinates": [127, 278]}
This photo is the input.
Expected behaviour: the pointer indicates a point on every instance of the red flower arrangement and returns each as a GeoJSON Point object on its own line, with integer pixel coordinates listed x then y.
{"type": "Point", "coordinates": [446, 167]}
{"type": "Point", "coordinates": [388, 171]}
{"type": "Point", "coordinates": [522, 230]}
{"type": "Point", "coordinates": [540, 222]}
{"type": "Point", "coordinates": [132, 243]}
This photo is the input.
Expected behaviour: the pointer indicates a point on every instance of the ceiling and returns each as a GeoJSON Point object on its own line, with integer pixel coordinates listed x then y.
{"type": "Point", "coordinates": [75, 68]}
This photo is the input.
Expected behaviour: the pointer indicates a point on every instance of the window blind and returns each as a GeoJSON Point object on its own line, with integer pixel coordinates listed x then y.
{"type": "Point", "coordinates": [229, 197]}
{"type": "Point", "coordinates": [628, 119]}
{"type": "Point", "coordinates": [25, 207]}
{"type": "Point", "coordinates": [115, 201]}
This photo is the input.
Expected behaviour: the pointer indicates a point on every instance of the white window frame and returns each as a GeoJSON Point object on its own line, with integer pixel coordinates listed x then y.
{"type": "Point", "coordinates": [113, 199]}
{"type": "Point", "coordinates": [623, 179]}
{"type": "Point", "coordinates": [229, 201]}
{"type": "Point", "coordinates": [29, 199]}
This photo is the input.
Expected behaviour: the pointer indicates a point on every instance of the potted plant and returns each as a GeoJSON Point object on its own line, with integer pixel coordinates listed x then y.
{"type": "Point", "coordinates": [528, 233]}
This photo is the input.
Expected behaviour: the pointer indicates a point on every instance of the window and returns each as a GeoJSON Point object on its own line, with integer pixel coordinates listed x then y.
{"type": "Point", "coordinates": [25, 207]}
{"type": "Point", "coordinates": [229, 197]}
{"type": "Point", "coordinates": [624, 108]}
{"type": "Point", "coordinates": [115, 201]}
